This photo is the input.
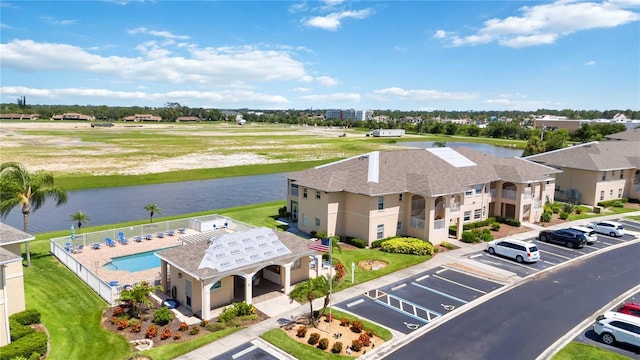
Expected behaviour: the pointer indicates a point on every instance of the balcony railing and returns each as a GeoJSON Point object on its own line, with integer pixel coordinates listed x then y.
{"type": "Point", "coordinates": [416, 223]}
{"type": "Point", "coordinates": [508, 194]}
{"type": "Point", "coordinates": [492, 193]}
{"type": "Point", "coordinates": [527, 195]}
{"type": "Point", "coordinates": [454, 208]}
{"type": "Point", "coordinates": [537, 204]}
{"type": "Point", "coordinates": [438, 224]}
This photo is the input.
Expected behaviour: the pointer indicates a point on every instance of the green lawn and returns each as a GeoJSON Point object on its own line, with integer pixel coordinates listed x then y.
{"type": "Point", "coordinates": [610, 211]}
{"type": "Point", "coordinates": [578, 351]}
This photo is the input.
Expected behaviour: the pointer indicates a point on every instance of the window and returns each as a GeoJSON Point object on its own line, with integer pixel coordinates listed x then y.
{"type": "Point", "coordinates": [601, 195]}
{"type": "Point", "coordinates": [604, 175]}
{"type": "Point", "coordinates": [468, 193]}
{"type": "Point", "coordinates": [467, 215]}
{"type": "Point", "coordinates": [400, 197]}
{"type": "Point", "coordinates": [304, 193]}
{"type": "Point", "coordinates": [216, 286]}
{"type": "Point", "coordinates": [479, 188]}
{"type": "Point", "coordinates": [613, 173]}
{"type": "Point", "coordinates": [611, 192]}
{"type": "Point", "coordinates": [621, 174]}
{"type": "Point", "coordinates": [381, 202]}
{"type": "Point", "coordinates": [619, 193]}
{"type": "Point", "coordinates": [296, 264]}
{"type": "Point", "coordinates": [484, 210]}
{"type": "Point", "coordinates": [477, 213]}
{"type": "Point", "coordinates": [304, 219]}
{"type": "Point", "coordinates": [317, 222]}
{"type": "Point", "coordinates": [399, 226]}
{"type": "Point", "coordinates": [317, 194]}
{"type": "Point", "coordinates": [380, 232]}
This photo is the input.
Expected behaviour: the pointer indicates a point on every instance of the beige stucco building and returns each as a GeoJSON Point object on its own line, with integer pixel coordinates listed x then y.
{"type": "Point", "coordinates": [418, 192]}
{"type": "Point", "coordinates": [216, 268]}
{"type": "Point", "coordinates": [11, 277]}
{"type": "Point", "coordinates": [595, 171]}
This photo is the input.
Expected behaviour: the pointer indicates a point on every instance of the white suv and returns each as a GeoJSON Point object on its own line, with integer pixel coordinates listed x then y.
{"type": "Point", "coordinates": [516, 249]}
{"type": "Point", "coordinates": [606, 227]}
{"type": "Point", "coordinates": [589, 233]}
{"type": "Point", "coordinates": [617, 327]}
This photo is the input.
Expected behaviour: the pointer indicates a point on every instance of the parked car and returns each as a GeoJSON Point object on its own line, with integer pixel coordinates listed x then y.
{"type": "Point", "coordinates": [591, 235]}
{"type": "Point", "coordinates": [606, 227]}
{"type": "Point", "coordinates": [615, 327]}
{"type": "Point", "coordinates": [630, 308]}
{"type": "Point", "coordinates": [567, 237]}
{"type": "Point", "coordinates": [521, 251]}
{"type": "Point", "coordinates": [170, 303]}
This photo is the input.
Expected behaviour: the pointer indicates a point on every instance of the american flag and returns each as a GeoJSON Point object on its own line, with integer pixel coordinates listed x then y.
{"type": "Point", "coordinates": [322, 245]}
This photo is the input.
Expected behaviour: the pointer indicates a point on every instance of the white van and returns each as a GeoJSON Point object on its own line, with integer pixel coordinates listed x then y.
{"type": "Point", "coordinates": [589, 233]}
{"type": "Point", "coordinates": [521, 251]}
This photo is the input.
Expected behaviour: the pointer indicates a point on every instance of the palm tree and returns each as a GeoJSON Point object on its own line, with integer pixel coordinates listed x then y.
{"type": "Point", "coordinates": [80, 217]}
{"type": "Point", "coordinates": [30, 190]}
{"type": "Point", "coordinates": [310, 290]}
{"type": "Point", "coordinates": [152, 209]}
{"type": "Point", "coordinates": [139, 296]}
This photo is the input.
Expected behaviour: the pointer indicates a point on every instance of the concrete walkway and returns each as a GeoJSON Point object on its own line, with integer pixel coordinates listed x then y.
{"type": "Point", "coordinates": [283, 311]}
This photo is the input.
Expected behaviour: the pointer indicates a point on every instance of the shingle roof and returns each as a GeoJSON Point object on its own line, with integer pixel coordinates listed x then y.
{"type": "Point", "coordinates": [188, 257]}
{"type": "Point", "coordinates": [595, 156]}
{"type": "Point", "coordinates": [7, 256]}
{"type": "Point", "coordinates": [10, 235]}
{"type": "Point", "coordinates": [631, 134]}
{"type": "Point", "coordinates": [418, 171]}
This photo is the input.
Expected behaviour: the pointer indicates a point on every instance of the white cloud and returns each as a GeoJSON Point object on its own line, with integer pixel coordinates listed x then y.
{"type": "Point", "coordinates": [508, 104]}
{"type": "Point", "coordinates": [334, 20]}
{"type": "Point", "coordinates": [545, 24]}
{"type": "Point", "coordinates": [211, 66]}
{"type": "Point", "coordinates": [326, 81]}
{"type": "Point", "coordinates": [399, 49]}
{"type": "Point", "coordinates": [420, 94]}
{"type": "Point", "coordinates": [301, 89]}
{"type": "Point", "coordinates": [335, 97]}
{"type": "Point", "coordinates": [53, 21]}
{"type": "Point", "coordinates": [590, 63]}
{"type": "Point", "coordinates": [158, 33]}
{"type": "Point", "coordinates": [228, 96]}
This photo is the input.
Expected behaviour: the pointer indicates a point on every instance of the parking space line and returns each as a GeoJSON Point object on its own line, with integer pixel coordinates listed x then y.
{"type": "Point", "coordinates": [441, 271]}
{"type": "Point", "coordinates": [439, 293]}
{"type": "Point", "coordinates": [554, 254]}
{"type": "Point", "coordinates": [422, 277]}
{"type": "Point", "coordinates": [354, 303]}
{"type": "Point", "coordinates": [475, 256]}
{"type": "Point", "coordinates": [562, 247]}
{"type": "Point", "coordinates": [613, 238]}
{"type": "Point", "coordinates": [457, 283]}
{"type": "Point", "coordinates": [470, 274]}
{"type": "Point", "coordinates": [548, 262]}
{"type": "Point", "coordinates": [244, 352]}
{"type": "Point", "coordinates": [398, 287]}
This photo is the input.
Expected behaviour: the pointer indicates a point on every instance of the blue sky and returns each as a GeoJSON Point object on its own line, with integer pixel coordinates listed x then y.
{"type": "Point", "coordinates": [399, 55]}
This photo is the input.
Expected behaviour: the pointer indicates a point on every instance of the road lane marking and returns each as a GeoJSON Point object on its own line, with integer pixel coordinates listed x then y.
{"type": "Point", "coordinates": [457, 283]}
{"type": "Point", "coordinates": [439, 293]}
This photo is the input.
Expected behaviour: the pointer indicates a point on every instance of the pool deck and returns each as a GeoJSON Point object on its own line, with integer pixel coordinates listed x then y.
{"type": "Point", "coordinates": [95, 259]}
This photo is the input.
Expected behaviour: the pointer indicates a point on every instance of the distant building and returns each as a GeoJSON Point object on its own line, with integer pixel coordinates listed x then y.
{"type": "Point", "coordinates": [19, 116]}
{"type": "Point", "coordinates": [142, 117]}
{"type": "Point", "coordinates": [349, 114]}
{"type": "Point", "coordinates": [72, 116]}
{"type": "Point", "coordinates": [388, 132]}
{"type": "Point", "coordinates": [187, 119]}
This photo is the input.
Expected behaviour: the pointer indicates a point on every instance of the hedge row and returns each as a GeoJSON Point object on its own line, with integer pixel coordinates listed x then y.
{"type": "Point", "coordinates": [488, 221]}
{"type": "Point", "coordinates": [34, 342]}
{"type": "Point", "coordinates": [359, 243]}
{"type": "Point", "coordinates": [26, 317]}
{"type": "Point", "coordinates": [18, 330]}
{"type": "Point", "coordinates": [407, 246]}
{"type": "Point", "coordinates": [614, 202]}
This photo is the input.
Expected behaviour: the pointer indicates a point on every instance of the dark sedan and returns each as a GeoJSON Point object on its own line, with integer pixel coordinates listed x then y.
{"type": "Point", "coordinates": [568, 237]}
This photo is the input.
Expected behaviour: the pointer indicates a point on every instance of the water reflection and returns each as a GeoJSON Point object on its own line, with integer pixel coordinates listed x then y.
{"type": "Point", "coordinates": [485, 148]}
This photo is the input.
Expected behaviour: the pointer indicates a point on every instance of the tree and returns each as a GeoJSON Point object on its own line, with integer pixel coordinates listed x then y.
{"type": "Point", "coordinates": [556, 140]}
{"type": "Point", "coordinates": [311, 290]}
{"type": "Point", "coordinates": [30, 190]}
{"type": "Point", "coordinates": [534, 146]}
{"type": "Point", "coordinates": [152, 209]}
{"type": "Point", "coordinates": [80, 217]}
{"type": "Point", "coordinates": [139, 296]}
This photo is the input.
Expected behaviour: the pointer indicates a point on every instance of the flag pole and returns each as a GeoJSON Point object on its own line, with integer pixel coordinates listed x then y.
{"type": "Point", "coordinates": [330, 281]}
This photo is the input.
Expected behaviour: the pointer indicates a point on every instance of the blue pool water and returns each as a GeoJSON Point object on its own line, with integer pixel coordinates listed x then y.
{"type": "Point", "coordinates": [136, 262]}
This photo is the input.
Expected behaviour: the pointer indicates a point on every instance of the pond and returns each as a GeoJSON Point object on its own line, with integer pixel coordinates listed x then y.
{"type": "Point", "coordinates": [485, 148]}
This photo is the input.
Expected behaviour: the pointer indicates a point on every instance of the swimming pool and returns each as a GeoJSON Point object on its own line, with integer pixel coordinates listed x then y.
{"type": "Point", "coordinates": [135, 262]}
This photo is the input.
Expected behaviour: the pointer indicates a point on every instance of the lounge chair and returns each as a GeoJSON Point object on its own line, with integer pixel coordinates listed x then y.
{"type": "Point", "coordinates": [78, 249]}
{"type": "Point", "coordinates": [68, 247]}
{"type": "Point", "coordinates": [95, 246]}
{"type": "Point", "coordinates": [148, 236]}
{"type": "Point", "coordinates": [109, 242]}
{"type": "Point", "coordinates": [122, 239]}
{"type": "Point", "coordinates": [170, 233]}
{"type": "Point", "coordinates": [138, 238]}
{"type": "Point", "coordinates": [160, 234]}
{"type": "Point", "coordinates": [182, 231]}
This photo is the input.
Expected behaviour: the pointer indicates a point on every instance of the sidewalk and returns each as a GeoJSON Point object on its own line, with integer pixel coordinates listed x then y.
{"type": "Point", "coordinates": [285, 311]}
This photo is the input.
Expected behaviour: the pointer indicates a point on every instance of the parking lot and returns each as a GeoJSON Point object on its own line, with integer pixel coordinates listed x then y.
{"type": "Point", "coordinates": [589, 337]}
{"type": "Point", "coordinates": [552, 254]}
{"type": "Point", "coordinates": [412, 303]}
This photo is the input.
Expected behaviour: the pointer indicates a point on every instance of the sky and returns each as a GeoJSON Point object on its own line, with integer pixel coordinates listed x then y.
{"type": "Point", "coordinates": [333, 54]}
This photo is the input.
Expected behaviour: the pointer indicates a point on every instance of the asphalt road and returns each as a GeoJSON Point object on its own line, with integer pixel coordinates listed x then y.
{"type": "Point", "coordinates": [524, 321]}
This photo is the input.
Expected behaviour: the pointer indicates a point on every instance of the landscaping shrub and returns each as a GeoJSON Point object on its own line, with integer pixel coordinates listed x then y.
{"type": "Point", "coordinates": [468, 237]}
{"type": "Point", "coordinates": [486, 237]}
{"type": "Point", "coordinates": [215, 326]}
{"type": "Point", "coordinates": [162, 316]}
{"type": "Point", "coordinates": [27, 345]}
{"type": "Point", "coordinates": [447, 245]}
{"type": "Point", "coordinates": [117, 311]}
{"type": "Point", "coordinates": [407, 246]}
{"type": "Point", "coordinates": [166, 333]}
{"type": "Point", "coordinates": [359, 243]}
{"type": "Point", "coordinates": [377, 243]}
{"type": "Point", "coordinates": [356, 345]}
{"type": "Point", "coordinates": [545, 217]}
{"type": "Point", "coordinates": [313, 339]}
{"type": "Point", "coordinates": [18, 330]}
{"type": "Point", "coordinates": [328, 318]}
{"type": "Point", "coordinates": [495, 226]}
{"type": "Point", "coordinates": [26, 317]}
{"type": "Point", "coordinates": [511, 222]}
{"type": "Point", "coordinates": [301, 332]}
{"type": "Point", "coordinates": [136, 327]}
{"type": "Point", "coordinates": [177, 336]}
{"type": "Point", "coordinates": [236, 309]}
{"type": "Point", "coordinates": [204, 323]}
{"type": "Point", "coordinates": [282, 211]}
{"type": "Point", "coordinates": [564, 215]}
{"type": "Point", "coordinates": [618, 204]}
{"type": "Point", "coordinates": [194, 330]}
{"type": "Point", "coordinates": [337, 348]}
{"type": "Point", "coordinates": [578, 210]}
{"type": "Point", "coordinates": [356, 326]}
{"type": "Point", "coordinates": [152, 331]}
{"type": "Point", "coordinates": [568, 208]}
{"type": "Point", "coordinates": [123, 324]}
{"type": "Point", "coordinates": [344, 322]}
{"type": "Point", "coordinates": [34, 356]}
{"type": "Point", "coordinates": [183, 326]}
{"type": "Point", "coordinates": [365, 339]}
{"type": "Point", "coordinates": [610, 203]}
{"type": "Point", "coordinates": [323, 344]}
{"type": "Point", "coordinates": [341, 272]}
